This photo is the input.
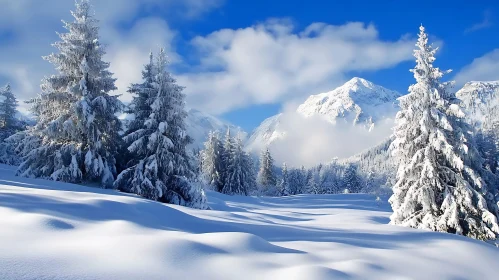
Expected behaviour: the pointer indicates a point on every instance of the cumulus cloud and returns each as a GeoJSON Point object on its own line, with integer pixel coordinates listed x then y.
{"type": "Point", "coordinates": [266, 63]}
{"type": "Point", "coordinates": [484, 68]}
{"type": "Point", "coordinates": [28, 28]}
{"type": "Point", "coordinates": [271, 61]}
{"type": "Point", "coordinates": [128, 51]}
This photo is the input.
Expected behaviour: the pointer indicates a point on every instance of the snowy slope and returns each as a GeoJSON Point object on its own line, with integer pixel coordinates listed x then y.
{"type": "Point", "coordinates": [357, 102]}
{"type": "Point", "coordinates": [51, 230]}
{"type": "Point", "coordinates": [479, 98]}
{"type": "Point", "coordinates": [267, 132]}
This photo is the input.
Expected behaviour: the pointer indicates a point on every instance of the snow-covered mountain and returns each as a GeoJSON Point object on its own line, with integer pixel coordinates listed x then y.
{"type": "Point", "coordinates": [480, 99]}
{"type": "Point", "coordinates": [358, 102]}
{"type": "Point", "coordinates": [199, 125]}
{"type": "Point", "coordinates": [266, 133]}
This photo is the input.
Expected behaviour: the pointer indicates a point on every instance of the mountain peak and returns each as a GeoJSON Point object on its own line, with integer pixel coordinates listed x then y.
{"type": "Point", "coordinates": [356, 81]}
{"type": "Point", "coordinates": [357, 101]}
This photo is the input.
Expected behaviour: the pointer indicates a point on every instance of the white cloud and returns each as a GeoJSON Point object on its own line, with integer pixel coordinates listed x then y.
{"type": "Point", "coordinates": [266, 63]}
{"type": "Point", "coordinates": [484, 68]}
{"type": "Point", "coordinates": [313, 140]}
{"type": "Point", "coordinates": [485, 23]}
{"type": "Point", "coordinates": [269, 62]}
{"type": "Point", "coordinates": [128, 52]}
{"type": "Point", "coordinates": [30, 26]}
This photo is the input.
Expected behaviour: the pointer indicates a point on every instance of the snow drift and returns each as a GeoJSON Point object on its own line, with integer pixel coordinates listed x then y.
{"type": "Point", "coordinates": [53, 230]}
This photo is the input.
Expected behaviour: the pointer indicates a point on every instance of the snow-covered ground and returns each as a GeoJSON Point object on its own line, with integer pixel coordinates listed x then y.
{"type": "Point", "coordinates": [51, 230]}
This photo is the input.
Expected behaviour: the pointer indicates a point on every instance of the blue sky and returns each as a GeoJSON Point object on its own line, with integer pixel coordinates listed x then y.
{"type": "Point", "coordinates": [245, 60]}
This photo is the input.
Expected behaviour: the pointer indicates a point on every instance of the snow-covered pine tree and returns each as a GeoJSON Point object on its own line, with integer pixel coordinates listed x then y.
{"type": "Point", "coordinates": [239, 176]}
{"type": "Point", "coordinates": [163, 168]}
{"type": "Point", "coordinates": [303, 177]}
{"type": "Point", "coordinates": [76, 121]}
{"type": "Point", "coordinates": [266, 179]}
{"type": "Point", "coordinates": [294, 181]}
{"type": "Point", "coordinates": [212, 161]}
{"type": "Point", "coordinates": [313, 182]}
{"type": "Point", "coordinates": [9, 124]}
{"type": "Point", "coordinates": [370, 183]}
{"type": "Point", "coordinates": [140, 107]}
{"type": "Point", "coordinates": [137, 134]}
{"type": "Point", "coordinates": [226, 154]}
{"type": "Point", "coordinates": [284, 186]}
{"type": "Point", "coordinates": [351, 179]}
{"type": "Point", "coordinates": [441, 185]}
{"type": "Point", "coordinates": [328, 180]}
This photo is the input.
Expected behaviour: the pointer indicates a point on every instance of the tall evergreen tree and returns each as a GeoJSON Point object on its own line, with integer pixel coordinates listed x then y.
{"type": "Point", "coordinates": [163, 169]}
{"type": "Point", "coordinates": [228, 146]}
{"type": "Point", "coordinates": [239, 176]}
{"type": "Point", "coordinates": [140, 107]}
{"type": "Point", "coordinates": [212, 161]}
{"type": "Point", "coordinates": [313, 184]}
{"type": "Point", "coordinates": [303, 178]}
{"type": "Point", "coordinates": [284, 186]}
{"type": "Point", "coordinates": [370, 183]}
{"type": "Point", "coordinates": [9, 125]}
{"type": "Point", "coordinates": [351, 179]}
{"type": "Point", "coordinates": [8, 110]}
{"type": "Point", "coordinates": [441, 184]}
{"type": "Point", "coordinates": [76, 121]}
{"type": "Point", "coordinates": [266, 178]}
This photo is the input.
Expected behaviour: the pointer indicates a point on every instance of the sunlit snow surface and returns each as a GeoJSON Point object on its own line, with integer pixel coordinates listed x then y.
{"type": "Point", "coordinates": [51, 230]}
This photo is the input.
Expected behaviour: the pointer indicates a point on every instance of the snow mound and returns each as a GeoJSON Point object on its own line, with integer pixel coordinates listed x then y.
{"type": "Point", "coordinates": [53, 230]}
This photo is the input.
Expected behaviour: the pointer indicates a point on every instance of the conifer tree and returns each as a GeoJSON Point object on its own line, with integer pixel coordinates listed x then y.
{"type": "Point", "coordinates": [76, 123]}
{"type": "Point", "coordinates": [8, 111]}
{"type": "Point", "coordinates": [212, 161]}
{"type": "Point", "coordinates": [441, 184]}
{"type": "Point", "coordinates": [228, 146]}
{"type": "Point", "coordinates": [163, 168]}
{"type": "Point", "coordinates": [239, 176]}
{"type": "Point", "coordinates": [284, 186]}
{"type": "Point", "coordinates": [266, 178]}
{"type": "Point", "coordinates": [351, 179]}
{"type": "Point", "coordinates": [9, 126]}
{"type": "Point", "coordinates": [313, 182]}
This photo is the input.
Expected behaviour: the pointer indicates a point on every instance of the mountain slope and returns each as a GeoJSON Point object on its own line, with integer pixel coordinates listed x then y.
{"type": "Point", "coordinates": [267, 132]}
{"type": "Point", "coordinates": [480, 100]}
{"type": "Point", "coordinates": [53, 230]}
